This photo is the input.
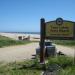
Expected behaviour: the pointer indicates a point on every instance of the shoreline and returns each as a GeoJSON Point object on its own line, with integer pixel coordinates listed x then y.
{"type": "Point", "coordinates": [21, 36]}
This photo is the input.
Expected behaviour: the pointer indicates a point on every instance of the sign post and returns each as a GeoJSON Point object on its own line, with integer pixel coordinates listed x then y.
{"type": "Point", "coordinates": [58, 29]}
{"type": "Point", "coordinates": [42, 39]}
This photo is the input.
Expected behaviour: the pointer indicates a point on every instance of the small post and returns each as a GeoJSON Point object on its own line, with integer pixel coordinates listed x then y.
{"type": "Point", "coordinates": [74, 47]}
{"type": "Point", "coordinates": [74, 58]}
{"type": "Point", "coordinates": [42, 39]}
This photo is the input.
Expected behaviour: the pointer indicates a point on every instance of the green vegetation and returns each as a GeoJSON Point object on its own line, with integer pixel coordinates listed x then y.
{"type": "Point", "coordinates": [62, 61]}
{"type": "Point", "coordinates": [65, 42]}
{"type": "Point", "coordinates": [66, 65]}
{"type": "Point", "coordinates": [20, 68]}
{"type": "Point", "coordinates": [32, 67]}
{"type": "Point", "coordinates": [5, 41]}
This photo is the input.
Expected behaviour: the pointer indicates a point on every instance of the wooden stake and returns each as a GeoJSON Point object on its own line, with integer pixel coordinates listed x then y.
{"type": "Point", "coordinates": [42, 39]}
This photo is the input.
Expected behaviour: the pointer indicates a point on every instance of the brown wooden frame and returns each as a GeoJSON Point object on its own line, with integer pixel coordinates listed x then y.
{"type": "Point", "coordinates": [43, 37]}
{"type": "Point", "coordinates": [62, 38]}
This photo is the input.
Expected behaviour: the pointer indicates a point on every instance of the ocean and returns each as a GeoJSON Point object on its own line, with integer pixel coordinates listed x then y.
{"type": "Point", "coordinates": [24, 32]}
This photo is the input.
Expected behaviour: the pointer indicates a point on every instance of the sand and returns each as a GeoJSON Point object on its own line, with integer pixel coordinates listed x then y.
{"type": "Point", "coordinates": [18, 53]}
{"type": "Point", "coordinates": [25, 52]}
{"type": "Point", "coordinates": [69, 51]}
{"type": "Point", "coordinates": [33, 37]}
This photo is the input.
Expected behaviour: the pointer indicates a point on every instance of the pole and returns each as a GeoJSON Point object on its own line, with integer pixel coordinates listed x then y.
{"type": "Point", "coordinates": [74, 47]}
{"type": "Point", "coordinates": [42, 39]}
{"type": "Point", "coordinates": [74, 57]}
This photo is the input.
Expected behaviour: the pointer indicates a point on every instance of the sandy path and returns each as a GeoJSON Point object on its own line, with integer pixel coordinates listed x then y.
{"type": "Point", "coordinates": [70, 51]}
{"type": "Point", "coordinates": [13, 53]}
{"type": "Point", "coordinates": [23, 52]}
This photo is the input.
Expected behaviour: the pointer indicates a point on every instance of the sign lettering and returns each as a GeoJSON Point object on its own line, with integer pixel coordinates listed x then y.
{"type": "Point", "coordinates": [64, 30]}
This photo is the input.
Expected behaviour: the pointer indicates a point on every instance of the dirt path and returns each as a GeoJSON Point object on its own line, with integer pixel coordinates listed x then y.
{"type": "Point", "coordinates": [70, 51]}
{"type": "Point", "coordinates": [23, 52]}
{"type": "Point", "coordinates": [14, 53]}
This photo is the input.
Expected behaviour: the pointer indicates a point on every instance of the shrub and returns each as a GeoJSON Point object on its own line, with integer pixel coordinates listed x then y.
{"type": "Point", "coordinates": [62, 61]}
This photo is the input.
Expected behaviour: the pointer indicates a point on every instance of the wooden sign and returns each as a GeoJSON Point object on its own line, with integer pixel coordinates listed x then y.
{"type": "Point", "coordinates": [60, 29]}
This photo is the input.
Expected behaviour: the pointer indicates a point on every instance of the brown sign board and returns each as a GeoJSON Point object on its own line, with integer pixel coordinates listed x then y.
{"type": "Point", "coordinates": [60, 29]}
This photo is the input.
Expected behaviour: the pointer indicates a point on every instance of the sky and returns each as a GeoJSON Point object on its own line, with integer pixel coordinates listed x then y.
{"type": "Point", "coordinates": [25, 15]}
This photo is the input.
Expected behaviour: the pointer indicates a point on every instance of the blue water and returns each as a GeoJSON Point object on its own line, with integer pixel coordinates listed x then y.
{"type": "Point", "coordinates": [31, 32]}
{"type": "Point", "coordinates": [25, 32]}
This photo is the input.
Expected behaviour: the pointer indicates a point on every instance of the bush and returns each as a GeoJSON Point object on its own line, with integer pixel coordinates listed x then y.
{"type": "Point", "coordinates": [67, 71]}
{"type": "Point", "coordinates": [66, 64]}
{"type": "Point", "coordinates": [65, 42]}
{"type": "Point", "coordinates": [5, 41]}
{"type": "Point", "coordinates": [19, 68]}
{"type": "Point", "coordinates": [12, 42]}
{"type": "Point", "coordinates": [62, 61]}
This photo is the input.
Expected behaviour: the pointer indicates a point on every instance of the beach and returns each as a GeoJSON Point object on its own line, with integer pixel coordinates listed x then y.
{"type": "Point", "coordinates": [21, 36]}
{"type": "Point", "coordinates": [24, 52]}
